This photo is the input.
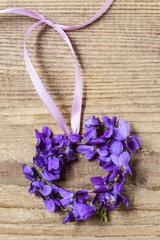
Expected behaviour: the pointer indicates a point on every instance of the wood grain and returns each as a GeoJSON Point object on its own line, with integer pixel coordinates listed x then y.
{"type": "Point", "coordinates": [119, 56]}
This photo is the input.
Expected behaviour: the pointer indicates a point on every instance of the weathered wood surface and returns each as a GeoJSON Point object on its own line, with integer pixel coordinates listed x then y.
{"type": "Point", "coordinates": [119, 57]}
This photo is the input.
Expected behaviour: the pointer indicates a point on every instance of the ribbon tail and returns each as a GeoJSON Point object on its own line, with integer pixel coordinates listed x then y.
{"type": "Point", "coordinates": [102, 10]}
{"type": "Point", "coordinates": [24, 12]}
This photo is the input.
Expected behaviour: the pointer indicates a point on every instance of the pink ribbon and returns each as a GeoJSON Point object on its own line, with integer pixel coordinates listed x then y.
{"type": "Point", "coordinates": [41, 90]}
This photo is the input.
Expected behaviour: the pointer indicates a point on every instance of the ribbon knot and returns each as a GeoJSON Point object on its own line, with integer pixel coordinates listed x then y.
{"type": "Point", "coordinates": [49, 23]}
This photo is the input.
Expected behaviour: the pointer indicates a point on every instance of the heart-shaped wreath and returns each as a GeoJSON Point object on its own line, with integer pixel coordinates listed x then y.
{"type": "Point", "coordinates": [109, 142]}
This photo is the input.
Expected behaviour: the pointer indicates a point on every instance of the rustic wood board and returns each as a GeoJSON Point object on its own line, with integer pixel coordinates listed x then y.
{"type": "Point", "coordinates": [119, 56]}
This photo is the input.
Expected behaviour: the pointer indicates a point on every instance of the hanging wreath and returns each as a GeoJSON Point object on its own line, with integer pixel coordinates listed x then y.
{"type": "Point", "coordinates": [109, 142]}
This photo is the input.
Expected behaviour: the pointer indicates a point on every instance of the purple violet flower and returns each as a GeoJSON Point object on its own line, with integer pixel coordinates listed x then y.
{"type": "Point", "coordinates": [66, 149]}
{"type": "Point", "coordinates": [91, 125]}
{"type": "Point", "coordinates": [46, 191]}
{"type": "Point", "coordinates": [118, 189]}
{"type": "Point", "coordinates": [116, 147]}
{"type": "Point", "coordinates": [122, 134]}
{"type": "Point", "coordinates": [111, 198]}
{"type": "Point", "coordinates": [43, 140]}
{"type": "Point", "coordinates": [35, 186]}
{"type": "Point", "coordinates": [98, 148]}
{"type": "Point", "coordinates": [28, 172]}
{"type": "Point", "coordinates": [110, 201]}
{"type": "Point", "coordinates": [40, 161]}
{"type": "Point", "coordinates": [53, 163]}
{"type": "Point", "coordinates": [52, 175]}
{"type": "Point", "coordinates": [69, 197]}
{"type": "Point", "coordinates": [80, 212]}
{"type": "Point", "coordinates": [76, 138]}
{"type": "Point", "coordinates": [121, 165]}
{"type": "Point", "coordinates": [106, 163]}
{"type": "Point", "coordinates": [109, 124]}
{"type": "Point", "coordinates": [100, 185]}
{"type": "Point", "coordinates": [92, 122]}
{"type": "Point", "coordinates": [133, 143]}
{"type": "Point", "coordinates": [52, 204]}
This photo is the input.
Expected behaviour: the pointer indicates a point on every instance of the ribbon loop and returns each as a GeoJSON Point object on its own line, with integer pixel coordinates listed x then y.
{"type": "Point", "coordinates": [41, 90]}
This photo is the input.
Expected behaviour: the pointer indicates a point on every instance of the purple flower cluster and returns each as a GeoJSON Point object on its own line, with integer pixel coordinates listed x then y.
{"type": "Point", "coordinates": [110, 143]}
{"type": "Point", "coordinates": [107, 141]}
{"type": "Point", "coordinates": [52, 153]}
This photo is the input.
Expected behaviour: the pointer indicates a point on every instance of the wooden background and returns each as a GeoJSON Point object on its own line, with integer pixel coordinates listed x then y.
{"type": "Point", "coordinates": [119, 57]}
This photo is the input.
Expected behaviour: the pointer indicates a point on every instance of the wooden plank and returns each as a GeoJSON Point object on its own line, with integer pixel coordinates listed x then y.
{"type": "Point", "coordinates": [18, 215]}
{"type": "Point", "coordinates": [31, 237]}
{"type": "Point", "coordinates": [81, 229]}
